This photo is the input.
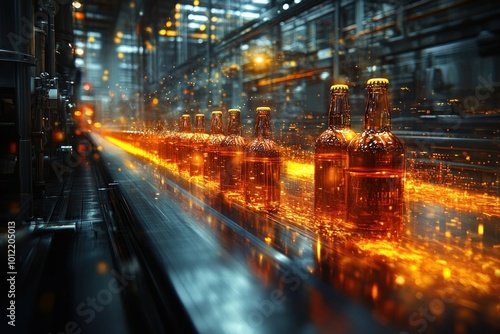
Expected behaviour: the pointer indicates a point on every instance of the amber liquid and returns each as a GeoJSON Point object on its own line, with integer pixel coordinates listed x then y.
{"type": "Point", "coordinates": [211, 165]}
{"type": "Point", "coordinates": [170, 147]}
{"type": "Point", "coordinates": [162, 146]}
{"type": "Point", "coordinates": [196, 161]}
{"type": "Point", "coordinates": [374, 202]}
{"type": "Point", "coordinates": [184, 152]}
{"type": "Point", "coordinates": [262, 183]}
{"type": "Point", "coordinates": [231, 170]}
{"type": "Point", "coordinates": [329, 192]}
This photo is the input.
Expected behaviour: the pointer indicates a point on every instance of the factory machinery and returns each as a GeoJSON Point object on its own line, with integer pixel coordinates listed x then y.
{"type": "Point", "coordinates": [102, 233]}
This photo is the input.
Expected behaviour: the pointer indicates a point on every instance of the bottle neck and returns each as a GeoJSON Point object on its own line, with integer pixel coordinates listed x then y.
{"type": "Point", "coordinates": [233, 125]}
{"type": "Point", "coordinates": [377, 115]}
{"type": "Point", "coordinates": [339, 114]}
{"type": "Point", "coordinates": [185, 124]}
{"type": "Point", "coordinates": [263, 124]}
{"type": "Point", "coordinates": [199, 126]}
{"type": "Point", "coordinates": [216, 125]}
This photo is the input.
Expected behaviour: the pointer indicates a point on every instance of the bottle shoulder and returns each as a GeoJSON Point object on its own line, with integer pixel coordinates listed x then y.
{"type": "Point", "coordinates": [263, 147]}
{"type": "Point", "coordinates": [216, 139]}
{"type": "Point", "coordinates": [376, 141]}
{"type": "Point", "coordinates": [185, 136]}
{"type": "Point", "coordinates": [199, 138]}
{"type": "Point", "coordinates": [233, 142]}
{"type": "Point", "coordinates": [331, 140]}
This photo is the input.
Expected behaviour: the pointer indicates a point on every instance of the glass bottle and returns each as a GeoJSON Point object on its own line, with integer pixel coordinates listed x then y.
{"type": "Point", "coordinates": [197, 145]}
{"type": "Point", "coordinates": [330, 157]}
{"type": "Point", "coordinates": [182, 147]}
{"type": "Point", "coordinates": [376, 171]}
{"type": "Point", "coordinates": [212, 164]}
{"type": "Point", "coordinates": [162, 142]}
{"type": "Point", "coordinates": [173, 142]}
{"type": "Point", "coordinates": [262, 166]}
{"type": "Point", "coordinates": [231, 155]}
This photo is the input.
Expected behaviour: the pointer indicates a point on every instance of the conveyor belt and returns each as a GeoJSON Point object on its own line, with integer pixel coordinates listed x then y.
{"type": "Point", "coordinates": [235, 270]}
{"type": "Point", "coordinates": [228, 279]}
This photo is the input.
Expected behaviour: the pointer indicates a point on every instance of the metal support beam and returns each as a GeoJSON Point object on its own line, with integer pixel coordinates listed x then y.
{"type": "Point", "coordinates": [338, 31]}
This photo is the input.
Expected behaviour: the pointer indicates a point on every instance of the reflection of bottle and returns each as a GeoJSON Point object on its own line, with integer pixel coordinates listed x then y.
{"type": "Point", "coordinates": [212, 164]}
{"type": "Point", "coordinates": [231, 154]}
{"type": "Point", "coordinates": [375, 171]}
{"type": "Point", "coordinates": [262, 166]}
{"type": "Point", "coordinates": [331, 155]}
{"type": "Point", "coordinates": [183, 151]}
{"type": "Point", "coordinates": [197, 145]}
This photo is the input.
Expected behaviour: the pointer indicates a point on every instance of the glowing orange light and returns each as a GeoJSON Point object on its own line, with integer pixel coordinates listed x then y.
{"type": "Point", "coordinates": [13, 148]}
{"type": "Point", "coordinates": [400, 280]}
{"type": "Point", "coordinates": [79, 16]}
{"type": "Point", "coordinates": [89, 111]}
{"type": "Point", "coordinates": [87, 87]}
{"type": "Point", "coordinates": [318, 249]}
{"type": "Point", "coordinates": [58, 136]}
{"type": "Point", "coordinates": [446, 273]}
{"type": "Point", "coordinates": [78, 113]}
{"type": "Point", "coordinates": [374, 291]}
{"type": "Point", "coordinates": [102, 267]}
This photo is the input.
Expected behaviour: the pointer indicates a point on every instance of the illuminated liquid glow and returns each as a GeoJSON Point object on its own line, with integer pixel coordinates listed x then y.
{"type": "Point", "coordinates": [197, 147]}
{"type": "Point", "coordinates": [375, 186]}
{"type": "Point", "coordinates": [231, 170]}
{"type": "Point", "coordinates": [329, 173]}
{"type": "Point", "coordinates": [263, 166]}
{"type": "Point", "coordinates": [375, 202]}
{"type": "Point", "coordinates": [211, 163]}
{"type": "Point", "coordinates": [182, 145]}
{"type": "Point", "coordinates": [196, 159]}
{"type": "Point", "coordinates": [262, 183]}
{"type": "Point", "coordinates": [329, 191]}
{"type": "Point", "coordinates": [184, 152]}
{"type": "Point", "coordinates": [330, 156]}
{"type": "Point", "coordinates": [162, 146]}
{"type": "Point", "coordinates": [170, 140]}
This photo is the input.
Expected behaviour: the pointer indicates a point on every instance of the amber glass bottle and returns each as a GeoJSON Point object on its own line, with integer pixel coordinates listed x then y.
{"type": "Point", "coordinates": [211, 164]}
{"type": "Point", "coordinates": [330, 157]}
{"type": "Point", "coordinates": [182, 148]}
{"type": "Point", "coordinates": [172, 142]}
{"type": "Point", "coordinates": [197, 145]}
{"type": "Point", "coordinates": [231, 155]}
{"type": "Point", "coordinates": [376, 171]}
{"type": "Point", "coordinates": [262, 166]}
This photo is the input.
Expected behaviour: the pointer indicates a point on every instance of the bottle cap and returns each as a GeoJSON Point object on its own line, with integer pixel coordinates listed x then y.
{"type": "Point", "coordinates": [263, 109]}
{"type": "Point", "coordinates": [200, 115]}
{"type": "Point", "coordinates": [377, 80]}
{"type": "Point", "coordinates": [233, 110]}
{"type": "Point", "coordinates": [339, 86]}
{"type": "Point", "coordinates": [186, 116]}
{"type": "Point", "coordinates": [216, 112]}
